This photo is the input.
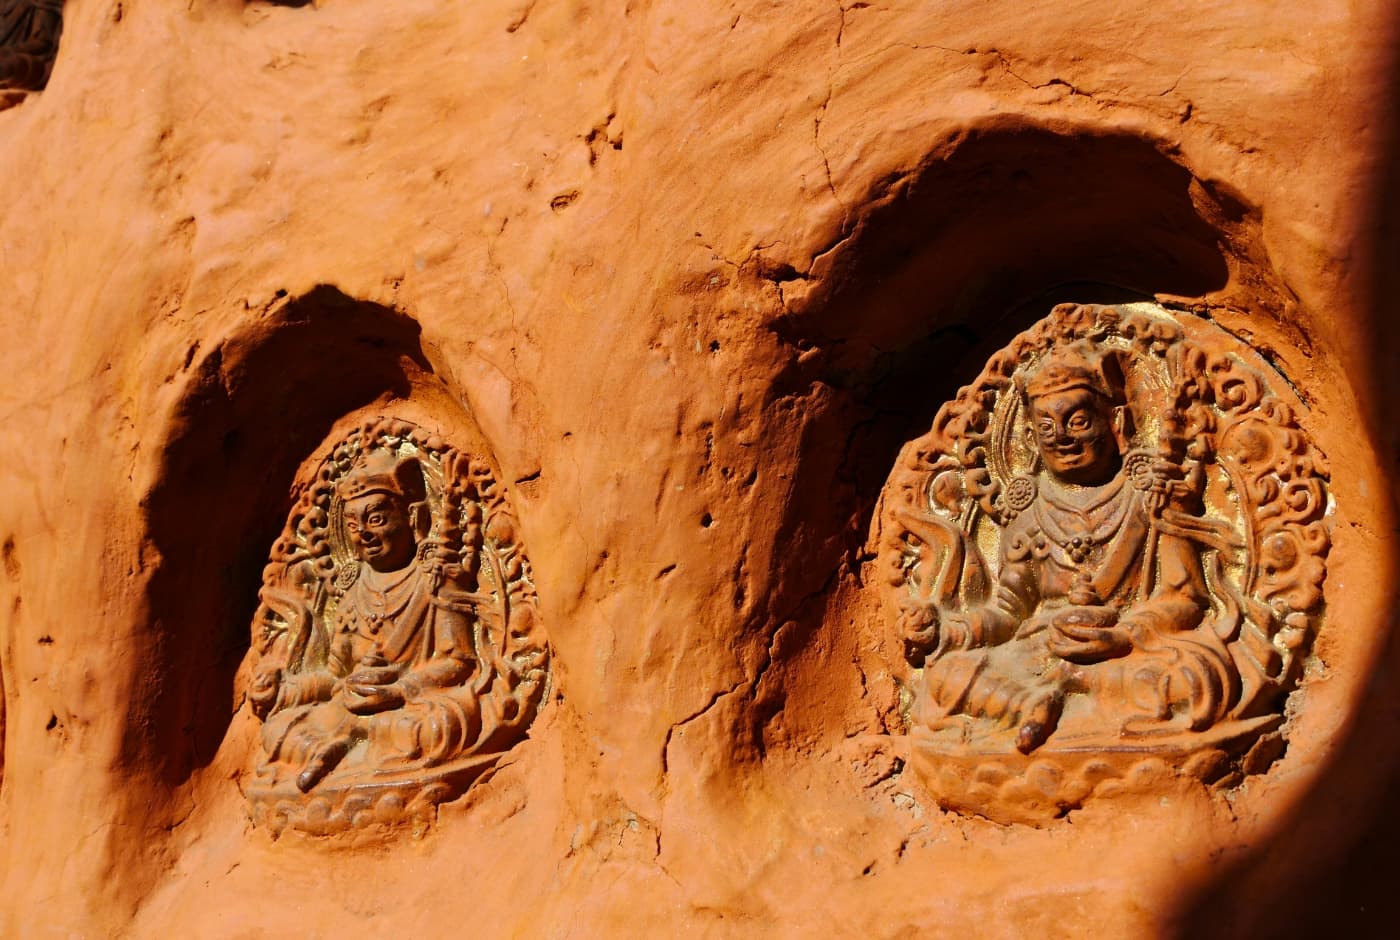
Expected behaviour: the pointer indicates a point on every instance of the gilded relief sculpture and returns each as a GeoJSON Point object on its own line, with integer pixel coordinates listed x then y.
{"type": "Point", "coordinates": [1107, 559]}
{"type": "Point", "coordinates": [397, 640]}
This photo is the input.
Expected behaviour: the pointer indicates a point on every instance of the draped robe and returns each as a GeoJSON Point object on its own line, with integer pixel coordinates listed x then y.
{"type": "Point", "coordinates": [994, 660]}
{"type": "Point", "coordinates": [406, 621]}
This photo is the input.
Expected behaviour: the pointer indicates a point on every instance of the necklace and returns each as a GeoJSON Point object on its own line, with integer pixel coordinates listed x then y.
{"type": "Point", "coordinates": [1082, 536]}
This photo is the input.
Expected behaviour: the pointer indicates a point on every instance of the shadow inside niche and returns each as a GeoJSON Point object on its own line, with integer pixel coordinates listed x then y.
{"type": "Point", "coordinates": [1007, 215]}
{"type": "Point", "coordinates": [257, 407]}
{"type": "Point", "coordinates": [951, 261]}
{"type": "Point", "coordinates": [943, 268]}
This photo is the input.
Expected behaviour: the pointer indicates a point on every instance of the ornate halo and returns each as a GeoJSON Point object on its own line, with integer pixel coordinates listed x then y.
{"type": "Point", "coordinates": [307, 587]}
{"type": "Point", "coordinates": [1246, 496]}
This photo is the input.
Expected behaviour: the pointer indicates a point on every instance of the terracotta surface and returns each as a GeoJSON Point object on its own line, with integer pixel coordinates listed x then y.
{"type": "Point", "coordinates": [695, 273]}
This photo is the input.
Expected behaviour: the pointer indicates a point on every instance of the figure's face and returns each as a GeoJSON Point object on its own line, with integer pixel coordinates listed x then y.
{"type": "Point", "coordinates": [379, 531]}
{"type": "Point", "coordinates": [1074, 432]}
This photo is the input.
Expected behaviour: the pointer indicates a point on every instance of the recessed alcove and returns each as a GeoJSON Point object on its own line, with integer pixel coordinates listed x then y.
{"type": "Point", "coordinates": [942, 267]}
{"type": "Point", "coordinates": [950, 260]}
{"type": "Point", "coordinates": [255, 409]}
{"type": "Point", "coordinates": [1003, 215]}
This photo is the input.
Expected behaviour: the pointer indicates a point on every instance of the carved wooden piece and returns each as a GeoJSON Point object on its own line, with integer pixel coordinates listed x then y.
{"type": "Point", "coordinates": [1107, 557]}
{"type": "Point", "coordinates": [398, 644]}
{"type": "Point", "coordinates": [29, 34]}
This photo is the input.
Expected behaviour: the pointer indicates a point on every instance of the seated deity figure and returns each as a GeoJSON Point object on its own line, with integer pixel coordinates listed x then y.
{"type": "Point", "coordinates": [1094, 594]}
{"type": "Point", "coordinates": [397, 650]}
{"type": "Point", "coordinates": [1106, 560]}
{"type": "Point", "coordinates": [400, 656]}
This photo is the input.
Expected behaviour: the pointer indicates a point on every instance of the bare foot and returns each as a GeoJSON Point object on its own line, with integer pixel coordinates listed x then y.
{"type": "Point", "coordinates": [1040, 720]}
{"type": "Point", "coordinates": [322, 762]}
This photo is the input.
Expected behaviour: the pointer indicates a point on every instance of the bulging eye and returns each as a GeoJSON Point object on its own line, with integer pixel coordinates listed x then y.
{"type": "Point", "coordinates": [375, 519]}
{"type": "Point", "coordinates": [1079, 422]}
{"type": "Point", "coordinates": [1045, 429]}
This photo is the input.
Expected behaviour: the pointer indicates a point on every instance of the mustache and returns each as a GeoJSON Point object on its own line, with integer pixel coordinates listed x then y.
{"type": "Point", "coordinates": [1062, 442]}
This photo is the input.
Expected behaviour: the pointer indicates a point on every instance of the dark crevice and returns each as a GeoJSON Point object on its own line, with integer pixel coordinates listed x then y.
{"type": "Point", "coordinates": [30, 31]}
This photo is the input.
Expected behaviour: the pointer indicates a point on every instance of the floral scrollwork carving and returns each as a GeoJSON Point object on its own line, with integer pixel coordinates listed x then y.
{"type": "Point", "coordinates": [1106, 559]}
{"type": "Point", "coordinates": [398, 650]}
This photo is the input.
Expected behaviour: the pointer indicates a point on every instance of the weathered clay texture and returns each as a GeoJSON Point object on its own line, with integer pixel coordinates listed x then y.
{"type": "Point", "coordinates": [694, 273]}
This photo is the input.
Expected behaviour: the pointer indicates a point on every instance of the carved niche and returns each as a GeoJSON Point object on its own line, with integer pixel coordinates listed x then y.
{"type": "Point", "coordinates": [1106, 559]}
{"type": "Point", "coordinates": [29, 32]}
{"type": "Point", "coordinates": [398, 650]}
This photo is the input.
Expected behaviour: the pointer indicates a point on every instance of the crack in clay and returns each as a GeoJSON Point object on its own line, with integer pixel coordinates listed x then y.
{"type": "Point", "coordinates": [826, 161]}
{"type": "Point", "coordinates": [1097, 97]}
{"type": "Point", "coordinates": [844, 10]}
{"type": "Point", "coordinates": [1171, 88]}
{"type": "Point", "coordinates": [1006, 66]}
{"type": "Point", "coordinates": [505, 291]}
{"type": "Point", "coordinates": [717, 254]}
{"type": "Point", "coordinates": [670, 732]}
{"type": "Point", "coordinates": [821, 112]}
{"type": "Point", "coordinates": [171, 826]}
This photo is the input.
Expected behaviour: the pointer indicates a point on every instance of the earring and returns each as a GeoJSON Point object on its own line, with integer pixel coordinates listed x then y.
{"type": "Point", "coordinates": [1020, 493]}
{"type": "Point", "coordinates": [1034, 467]}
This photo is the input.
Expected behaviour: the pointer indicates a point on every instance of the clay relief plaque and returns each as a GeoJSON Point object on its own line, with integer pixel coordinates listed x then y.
{"type": "Point", "coordinates": [1107, 560]}
{"type": "Point", "coordinates": [397, 642]}
{"type": "Point", "coordinates": [29, 33]}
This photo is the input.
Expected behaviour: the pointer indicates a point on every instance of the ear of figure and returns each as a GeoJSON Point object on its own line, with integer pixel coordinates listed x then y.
{"type": "Point", "coordinates": [1115, 375]}
{"type": "Point", "coordinates": [420, 519]}
{"type": "Point", "coordinates": [1032, 444]}
{"type": "Point", "coordinates": [1122, 428]}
